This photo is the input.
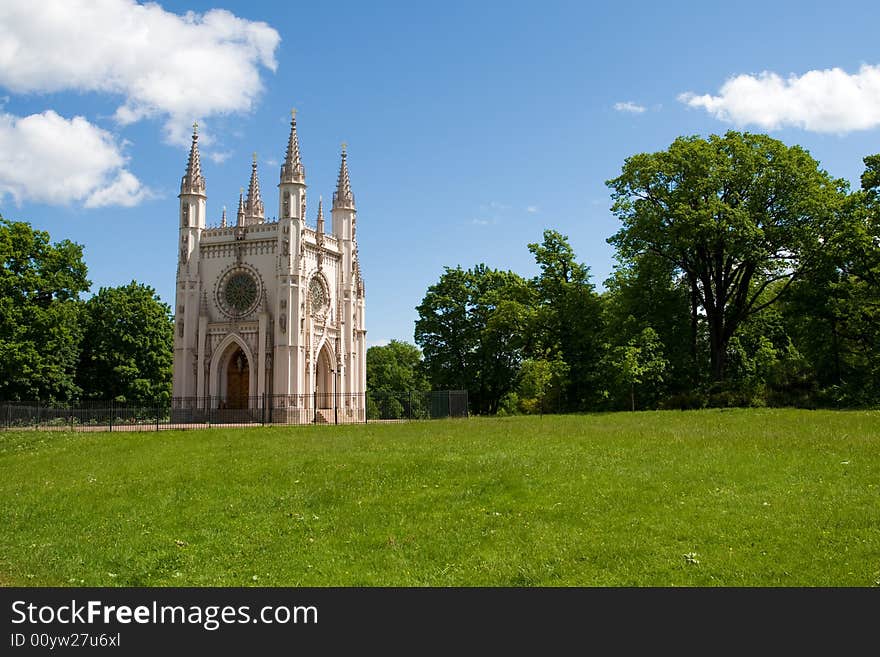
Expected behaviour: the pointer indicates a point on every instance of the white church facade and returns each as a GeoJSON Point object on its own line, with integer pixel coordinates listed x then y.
{"type": "Point", "coordinates": [270, 309]}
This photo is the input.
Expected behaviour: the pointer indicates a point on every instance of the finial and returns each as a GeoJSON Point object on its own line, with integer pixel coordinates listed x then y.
{"type": "Point", "coordinates": [195, 128]}
{"type": "Point", "coordinates": [255, 157]}
{"type": "Point", "coordinates": [240, 191]}
{"type": "Point", "coordinates": [293, 114]}
{"type": "Point", "coordinates": [344, 146]}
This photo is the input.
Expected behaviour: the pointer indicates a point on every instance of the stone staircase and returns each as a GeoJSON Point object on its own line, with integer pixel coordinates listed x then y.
{"type": "Point", "coordinates": [324, 416]}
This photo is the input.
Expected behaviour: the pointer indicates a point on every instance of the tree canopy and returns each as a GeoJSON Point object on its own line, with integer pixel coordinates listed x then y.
{"type": "Point", "coordinates": [40, 333]}
{"type": "Point", "coordinates": [127, 352]}
{"type": "Point", "coordinates": [395, 367]}
{"type": "Point", "coordinates": [734, 214]}
{"type": "Point", "coordinates": [472, 331]}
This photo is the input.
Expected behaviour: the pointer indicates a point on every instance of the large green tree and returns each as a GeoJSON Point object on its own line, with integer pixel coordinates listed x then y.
{"type": "Point", "coordinates": [127, 351]}
{"type": "Point", "coordinates": [734, 215]}
{"type": "Point", "coordinates": [473, 329]}
{"type": "Point", "coordinates": [568, 321]}
{"type": "Point", "coordinates": [40, 286]}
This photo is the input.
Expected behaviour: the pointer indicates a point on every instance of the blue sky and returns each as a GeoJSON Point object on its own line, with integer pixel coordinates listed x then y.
{"type": "Point", "coordinates": [471, 126]}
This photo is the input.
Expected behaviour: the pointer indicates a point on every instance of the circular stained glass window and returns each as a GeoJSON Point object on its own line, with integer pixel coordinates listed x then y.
{"type": "Point", "coordinates": [240, 292]}
{"type": "Point", "coordinates": [317, 295]}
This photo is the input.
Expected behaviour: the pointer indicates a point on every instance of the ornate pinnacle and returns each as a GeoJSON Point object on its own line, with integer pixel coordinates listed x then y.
{"type": "Point", "coordinates": [253, 202]}
{"type": "Point", "coordinates": [223, 218]}
{"type": "Point", "coordinates": [193, 182]}
{"type": "Point", "coordinates": [293, 171]}
{"type": "Point", "coordinates": [320, 225]}
{"type": "Point", "coordinates": [342, 197]}
{"type": "Point", "coordinates": [240, 207]}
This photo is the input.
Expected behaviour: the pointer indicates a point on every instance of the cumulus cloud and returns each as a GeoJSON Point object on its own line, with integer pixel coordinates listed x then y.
{"type": "Point", "coordinates": [629, 106]}
{"type": "Point", "coordinates": [174, 67]}
{"type": "Point", "coordinates": [829, 100]}
{"type": "Point", "coordinates": [50, 159]}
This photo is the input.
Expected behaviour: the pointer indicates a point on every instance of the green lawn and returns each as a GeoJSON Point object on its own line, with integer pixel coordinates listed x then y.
{"type": "Point", "coordinates": [701, 498]}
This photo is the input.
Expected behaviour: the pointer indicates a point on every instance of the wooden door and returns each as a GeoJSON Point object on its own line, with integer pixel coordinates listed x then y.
{"type": "Point", "coordinates": [237, 381]}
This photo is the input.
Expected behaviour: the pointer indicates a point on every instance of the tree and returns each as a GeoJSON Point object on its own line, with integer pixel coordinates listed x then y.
{"type": "Point", "coordinates": [733, 214]}
{"type": "Point", "coordinates": [40, 284]}
{"type": "Point", "coordinates": [834, 312]}
{"type": "Point", "coordinates": [541, 384]}
{"type": "Point", "coordinates": [472, 329]}
{"type": "Point", "coordinates": [569, 317]}
{"type": "Point", "coordinates": [128, 344]}
{"type": "Point", "coordinates": [639, 362]}
{"type": "Point", "coordinates": [395, 367]}
{"type": "Point", "coordinates": [646, 292]}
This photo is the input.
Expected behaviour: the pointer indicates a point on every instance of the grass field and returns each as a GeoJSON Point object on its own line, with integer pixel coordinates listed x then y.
{"type": "Point", "coordinates": [701, 498]}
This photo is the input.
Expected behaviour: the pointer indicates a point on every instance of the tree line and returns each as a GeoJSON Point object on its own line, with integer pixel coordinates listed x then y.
{"type": "Point", "coordinates": [744, 275]}
{"type": "Point", "coordinates": [56, 346]}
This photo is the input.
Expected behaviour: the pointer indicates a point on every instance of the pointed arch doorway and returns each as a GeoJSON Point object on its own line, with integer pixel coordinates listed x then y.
{"type": "Point", "coordinates": [238, 380]}
{"type": "Point", "coordinates": [324, 384]}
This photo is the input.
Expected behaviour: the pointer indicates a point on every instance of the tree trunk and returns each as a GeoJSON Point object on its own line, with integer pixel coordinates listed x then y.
{"type": "Point", "coordinates": [717, 349]}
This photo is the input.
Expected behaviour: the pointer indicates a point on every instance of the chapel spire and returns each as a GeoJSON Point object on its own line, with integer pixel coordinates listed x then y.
{"type": "Point", "coordinates": [193, 182]}
{"type": "Point", "coordinates": [254, 203]}
{"type": "Point", "coordinates": [293, 171]}
{"type": "Point", "coordinates": [342, 197]}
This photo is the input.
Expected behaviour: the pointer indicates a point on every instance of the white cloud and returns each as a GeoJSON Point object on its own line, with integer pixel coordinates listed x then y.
{"type": "Point", "coordinates": [381, 342]}
{"type": "Point", "coordinates": [829, 100]}
{"type": "Point", "coordinates": [50, 159]}
{"type": "Point", "coordinates": [174, 67]}
{"type": "Point", "coordinates": [532, 209]}
{"type": "Point", "coordinates": [219, 157]}
{"type": "Point", "coordinates": [630, 107]}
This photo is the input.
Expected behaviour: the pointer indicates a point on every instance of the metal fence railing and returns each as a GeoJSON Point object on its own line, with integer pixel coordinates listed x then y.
{"type": "Point", "coordinates": [200, 412]}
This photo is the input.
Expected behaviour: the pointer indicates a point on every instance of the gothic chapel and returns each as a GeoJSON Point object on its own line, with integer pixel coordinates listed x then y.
{"type": "Point", "coordinates": [269, 309]}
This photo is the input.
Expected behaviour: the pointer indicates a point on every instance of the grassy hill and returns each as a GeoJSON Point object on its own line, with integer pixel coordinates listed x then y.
{"type": "Point", "coordinates": [702, 498]}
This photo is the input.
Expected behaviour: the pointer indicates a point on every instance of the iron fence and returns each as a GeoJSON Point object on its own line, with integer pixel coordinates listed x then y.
{"type": "Point", "coordinates": [202, 412]}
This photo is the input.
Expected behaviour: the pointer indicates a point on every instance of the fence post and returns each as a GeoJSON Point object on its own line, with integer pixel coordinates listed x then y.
{"type": "Point", "coordinates": [157, 415]}
{"type": "Point", "coordinates": [111, 415]}
{"type": "Point", "coordinates": [37, 418]}
{"type": "Point", "coordinates": [315, 407]}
